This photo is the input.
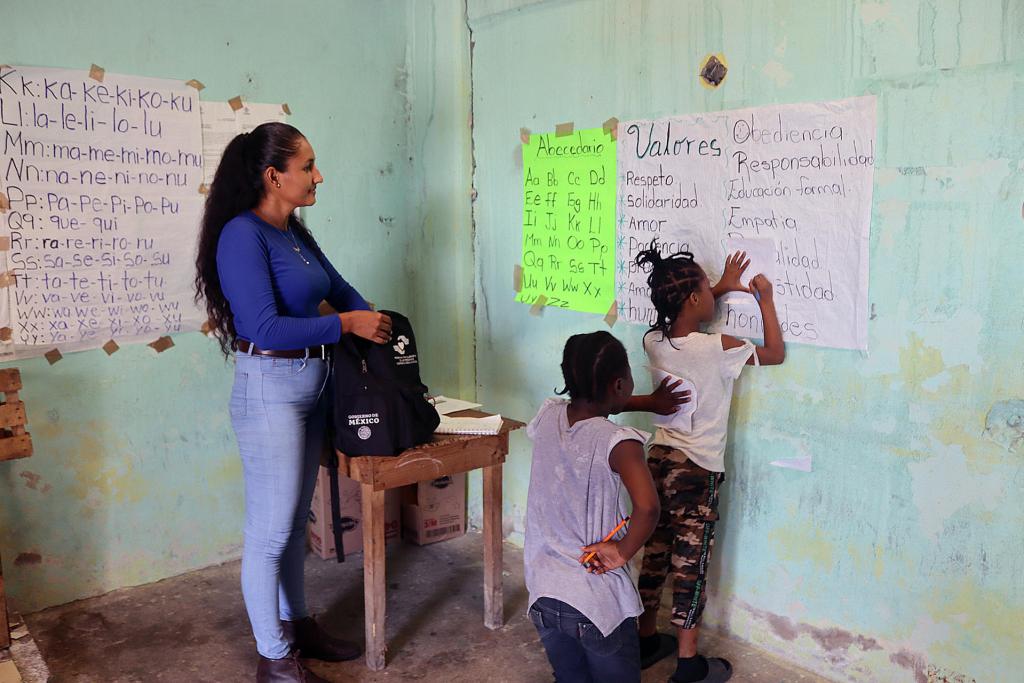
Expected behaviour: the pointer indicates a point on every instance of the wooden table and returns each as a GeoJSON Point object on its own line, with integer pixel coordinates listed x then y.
{"type": "Point", "coordinates": [445, 455]}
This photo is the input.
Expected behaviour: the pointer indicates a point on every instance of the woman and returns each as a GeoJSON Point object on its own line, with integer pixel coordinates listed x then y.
{"type": "Point", "coordinates": [263, 276]}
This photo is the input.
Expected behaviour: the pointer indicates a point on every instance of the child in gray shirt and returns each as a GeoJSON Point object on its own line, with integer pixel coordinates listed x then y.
{"type": "Point", "coordinates": [582, 461]}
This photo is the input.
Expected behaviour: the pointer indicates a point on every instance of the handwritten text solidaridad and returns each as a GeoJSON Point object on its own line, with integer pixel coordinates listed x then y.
{"type": "Point", "coordinates": [568, 220]}
{"type": "Point", "coordinates": [799, 174]}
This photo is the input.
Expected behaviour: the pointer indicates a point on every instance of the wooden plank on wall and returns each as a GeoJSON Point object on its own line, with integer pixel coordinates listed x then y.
{"type": "Point", "coordinates": [5, 628]}
{"type": "Point", "coordinates": [10, 379]}
{"type": "Point", "coordinates": [14, 447]}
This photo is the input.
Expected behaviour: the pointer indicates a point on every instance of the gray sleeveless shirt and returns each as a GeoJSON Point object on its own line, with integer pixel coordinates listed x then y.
{"type": "Point", "coordinates": [575, 499]}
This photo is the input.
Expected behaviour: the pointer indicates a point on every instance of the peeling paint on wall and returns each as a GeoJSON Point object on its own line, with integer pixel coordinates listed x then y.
{"type": "Point", "coordinates": [834, 643]}
{"type": "Point", "coordinates": [944, 484]}
{"type": "Point", "coordinates": [1004, 424]}
{"type": "Point", "coordinates": [777, 73]}
{"type": "Point", "coordinates": [935, 674]}
{"type": "Point", "coordinates": [24, 559]}
{"type": "Point", "coordinates": [913, 662]}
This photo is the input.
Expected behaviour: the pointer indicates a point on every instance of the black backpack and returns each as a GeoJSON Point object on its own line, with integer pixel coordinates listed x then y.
{"type": "Point", "coordinates": [380, 404]}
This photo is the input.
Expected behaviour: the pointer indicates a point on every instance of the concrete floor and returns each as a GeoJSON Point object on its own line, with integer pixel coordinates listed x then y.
{"type": "Point", "coordinates": [21, 662]}
{"type": "Point", "coordinates": [193, 628]}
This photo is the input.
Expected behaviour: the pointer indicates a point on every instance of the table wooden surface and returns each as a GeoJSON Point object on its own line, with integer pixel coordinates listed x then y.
{"type": "Point", "coordinates": [446, 454]}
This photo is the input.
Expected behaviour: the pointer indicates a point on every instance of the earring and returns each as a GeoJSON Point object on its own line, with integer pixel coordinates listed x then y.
{"type": "Point", "coordinates": [277, 184]}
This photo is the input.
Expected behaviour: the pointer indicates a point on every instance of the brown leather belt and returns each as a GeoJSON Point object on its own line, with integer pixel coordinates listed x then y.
{"type": "Point", "coordinates": [319, 352]}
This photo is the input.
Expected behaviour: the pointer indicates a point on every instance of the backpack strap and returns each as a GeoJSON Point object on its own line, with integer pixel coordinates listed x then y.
{"type": "Point", "coordinates": [339, 532]}
{"type": "Point", "coordinates": [332, 468]}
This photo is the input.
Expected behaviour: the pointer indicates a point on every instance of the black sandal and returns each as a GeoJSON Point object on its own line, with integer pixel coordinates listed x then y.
{"type": "Point", "coordinates": [667, 645]}
{"type": "Point", "coordinates": [719, 671]}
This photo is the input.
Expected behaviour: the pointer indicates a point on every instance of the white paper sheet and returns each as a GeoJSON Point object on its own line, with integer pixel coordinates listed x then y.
{"type": "Point", "coordinates": [446, 406]}
{"type": "Point", "coordinates": [682, 418]}
{"type": "Point", "coordinates": [221, 124]}
{"type": "Point", "coordinates": [761, 253]}
{"type": "Point", "coordinates": [219, 128]}
{"type": "Point", "coordinates": [253, 114]}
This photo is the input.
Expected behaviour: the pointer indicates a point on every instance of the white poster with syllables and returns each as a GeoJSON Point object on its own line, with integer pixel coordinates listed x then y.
{"type": "Point", "coordinates": [101, 180]}
{"type": "Point", "coordinates": [799, 175]}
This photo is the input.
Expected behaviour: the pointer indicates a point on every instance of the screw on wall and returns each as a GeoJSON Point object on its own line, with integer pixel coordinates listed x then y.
{"type": "Point", "coordinates": [713, 70]}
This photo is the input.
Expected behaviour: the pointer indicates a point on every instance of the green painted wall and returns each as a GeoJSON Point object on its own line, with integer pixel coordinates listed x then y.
{"type": "Point", "coordinates": [136, 474]}
{"type": "Point", "coordinates": [440, 255]}
{"type": "Point", "coordinates": [903, 549]}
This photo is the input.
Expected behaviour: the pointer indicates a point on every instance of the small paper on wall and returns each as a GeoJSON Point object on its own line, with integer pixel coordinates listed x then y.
{"type": "Point", "coordinates": [219, 127]}
{"type": "Point", "coordinates": [253, 114]}
{"type": "Point", "coordinates": [761, 253]}
{"type": "Point", "coordinates": [802, 463]}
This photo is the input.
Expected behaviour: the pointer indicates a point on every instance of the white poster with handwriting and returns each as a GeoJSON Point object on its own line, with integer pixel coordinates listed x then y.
{"type": "Point", "coordinates": [102, 181]}
{"type": "Point", "coordinates": [800, 175]}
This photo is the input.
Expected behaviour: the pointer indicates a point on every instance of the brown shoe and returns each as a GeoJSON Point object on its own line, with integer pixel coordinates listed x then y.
{"type": "Point", "coordinates": [290, 669]}
{"type": "Point", "coordinates": [315, 643]}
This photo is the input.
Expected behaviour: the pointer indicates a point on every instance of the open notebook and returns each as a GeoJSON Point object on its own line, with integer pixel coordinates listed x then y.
{"type": "Point", "coordinates": [469, 425]}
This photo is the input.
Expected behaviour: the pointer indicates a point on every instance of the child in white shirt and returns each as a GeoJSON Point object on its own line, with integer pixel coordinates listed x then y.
{"type": "Point", "coordinates": [688, 467]}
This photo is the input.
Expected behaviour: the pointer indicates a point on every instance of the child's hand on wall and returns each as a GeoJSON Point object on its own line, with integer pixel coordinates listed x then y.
{"type": "Point", "coordinates": [735, 266]}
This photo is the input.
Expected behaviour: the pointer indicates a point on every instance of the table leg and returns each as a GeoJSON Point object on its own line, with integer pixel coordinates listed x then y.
{"type": "Point", "coordinates": [493, 601]}
{"type": "Point", "coordinates": [373, 576]}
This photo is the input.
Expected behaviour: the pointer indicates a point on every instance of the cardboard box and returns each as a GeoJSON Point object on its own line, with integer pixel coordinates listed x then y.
{"type": "Point", "coordinates": [321, 531]}
{"type": "Point", "coordinates": [435, 510]}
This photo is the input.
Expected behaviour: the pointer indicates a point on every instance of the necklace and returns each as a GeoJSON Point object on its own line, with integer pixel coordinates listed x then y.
{"type": "Point", "coordinates": [295, 246]}
{"type": "Point", "coordinates": [288, 231]}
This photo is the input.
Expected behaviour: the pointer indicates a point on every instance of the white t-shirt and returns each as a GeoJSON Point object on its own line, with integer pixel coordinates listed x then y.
{"type": "Point", "coordinates": [700, 358]}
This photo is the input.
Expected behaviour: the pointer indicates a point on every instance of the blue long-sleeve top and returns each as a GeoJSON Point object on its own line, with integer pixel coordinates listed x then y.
{"type": "Point", "coordinates": [273, 292]}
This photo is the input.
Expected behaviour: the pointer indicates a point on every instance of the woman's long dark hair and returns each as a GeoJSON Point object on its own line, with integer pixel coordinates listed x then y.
{"type": "Point", "coordinates": [238, 187]}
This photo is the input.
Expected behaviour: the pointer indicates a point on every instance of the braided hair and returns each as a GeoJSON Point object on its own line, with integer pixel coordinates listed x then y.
{"type": "Point", "coordinates": [672, 280]}
{"type": "Point", "coordinates": [590, 362]}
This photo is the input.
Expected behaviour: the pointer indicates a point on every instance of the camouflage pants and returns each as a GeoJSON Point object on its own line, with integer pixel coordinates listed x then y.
{"type": "Point", "coordinates": [684, 537]}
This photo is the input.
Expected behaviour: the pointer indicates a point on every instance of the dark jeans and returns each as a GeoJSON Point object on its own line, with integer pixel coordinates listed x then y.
{"type": "Point", "coordinates": [579, 653]}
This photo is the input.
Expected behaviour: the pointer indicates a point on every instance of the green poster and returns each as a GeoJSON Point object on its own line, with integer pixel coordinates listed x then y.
{"type": "Point", "coordinates": [569, 220]}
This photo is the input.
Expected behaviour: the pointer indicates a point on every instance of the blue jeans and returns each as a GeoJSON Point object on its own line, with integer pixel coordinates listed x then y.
{"type": "Point", "coordinates": [578, 652]}
{"type": "Point", "coordinates": [278, 411]}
